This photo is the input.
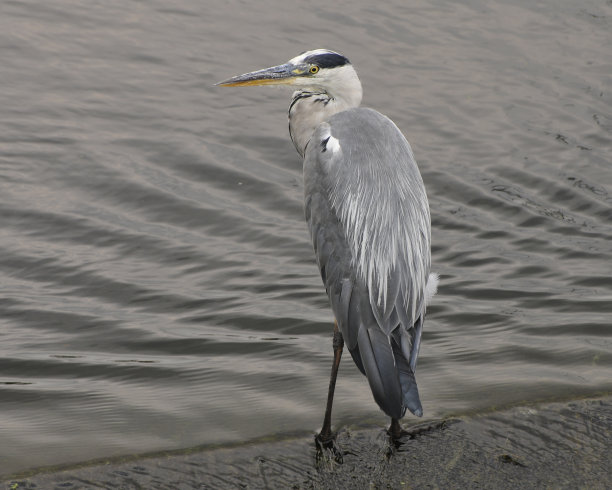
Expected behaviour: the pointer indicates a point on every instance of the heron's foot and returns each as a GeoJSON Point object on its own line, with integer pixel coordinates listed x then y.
{"type": "Point", "coordinates": [327, 448]}
{"type": "Point", "coordinates": [395, 431]}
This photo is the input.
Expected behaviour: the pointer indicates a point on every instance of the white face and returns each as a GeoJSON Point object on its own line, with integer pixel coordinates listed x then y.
{"type": "Point", "coordinates": [318, 73]}
{"type": "Point", "coordinates": [326, 77]}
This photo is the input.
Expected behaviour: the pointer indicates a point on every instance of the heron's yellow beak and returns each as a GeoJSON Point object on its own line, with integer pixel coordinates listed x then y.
{"type": "Point", "coordinates": [246, 83]}
{"type": "Point", "coordinates": [275, 75]}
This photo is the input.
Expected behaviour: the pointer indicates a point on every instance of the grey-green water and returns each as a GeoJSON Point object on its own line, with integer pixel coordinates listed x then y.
{"type": "Point", "coordinates": [157, 285]}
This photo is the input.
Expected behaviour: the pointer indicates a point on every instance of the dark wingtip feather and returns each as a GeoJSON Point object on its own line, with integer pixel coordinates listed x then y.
{"type": "Point", "coordinates": [412, 401]}
{"type": "Point", "coordinates": [379, 363]}
{"type": "Point", "coordinates": [410, 390]}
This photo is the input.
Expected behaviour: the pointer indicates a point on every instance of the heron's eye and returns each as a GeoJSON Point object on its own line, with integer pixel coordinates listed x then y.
{"type": "Point", "coordinates": [314, 69]}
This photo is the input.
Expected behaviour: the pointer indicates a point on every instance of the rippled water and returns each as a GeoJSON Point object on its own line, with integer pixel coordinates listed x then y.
{"type": "Point", "coordinates": [158, 286]}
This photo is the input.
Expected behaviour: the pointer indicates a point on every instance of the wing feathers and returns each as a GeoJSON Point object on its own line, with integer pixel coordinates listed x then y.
{"type": "Point", "coordinates": [379, 363]}
{"type": "Point", "coordinates": [410, 390]}
{"type": "Point", "coordinates": [369, 221]}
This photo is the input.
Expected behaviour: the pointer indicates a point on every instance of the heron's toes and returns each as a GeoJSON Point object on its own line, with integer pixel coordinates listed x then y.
{"type": "Point", "coordinates": [328, 448]}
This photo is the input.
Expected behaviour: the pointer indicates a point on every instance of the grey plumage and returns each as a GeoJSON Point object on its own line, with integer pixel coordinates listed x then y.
{"type": "Point", "coordinates": [368, 216]}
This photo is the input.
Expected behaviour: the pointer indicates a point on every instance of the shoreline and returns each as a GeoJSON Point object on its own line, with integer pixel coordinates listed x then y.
{"type": "Point", "coordinates": [560, 444]}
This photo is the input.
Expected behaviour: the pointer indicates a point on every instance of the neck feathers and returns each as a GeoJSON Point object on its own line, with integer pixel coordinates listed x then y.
{"type": "Point", "coordinates": [338, 91]}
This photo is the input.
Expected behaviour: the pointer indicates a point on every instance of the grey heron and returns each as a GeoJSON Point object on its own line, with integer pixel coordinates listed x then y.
{"type": "Point", "coordinates": [369, 220]}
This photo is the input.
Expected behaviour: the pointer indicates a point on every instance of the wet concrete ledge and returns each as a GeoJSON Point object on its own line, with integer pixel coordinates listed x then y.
{"type": "Point", "coordinates": [554, 445]}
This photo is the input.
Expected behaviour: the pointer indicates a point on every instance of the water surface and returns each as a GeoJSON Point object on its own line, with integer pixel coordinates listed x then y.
{"type": "Point", "coordinates": [158, 286]}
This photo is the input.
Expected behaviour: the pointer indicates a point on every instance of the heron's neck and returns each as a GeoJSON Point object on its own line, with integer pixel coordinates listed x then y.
{"type": "Point", "coordinates": [312, 106]}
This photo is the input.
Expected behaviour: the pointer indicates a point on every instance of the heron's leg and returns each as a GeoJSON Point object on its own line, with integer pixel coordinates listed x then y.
{"type": "Point", "coordinates": [395, 429]}
{"type": "Point", "coordinates": [325, 436]}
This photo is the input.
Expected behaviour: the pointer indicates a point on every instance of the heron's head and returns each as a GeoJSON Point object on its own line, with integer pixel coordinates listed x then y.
{"type": "Point", "coordinates": [319, 70]}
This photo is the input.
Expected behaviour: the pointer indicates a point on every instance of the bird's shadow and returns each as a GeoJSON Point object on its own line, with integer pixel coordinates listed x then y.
{"type": "Point", "coordinates": [399, 442]}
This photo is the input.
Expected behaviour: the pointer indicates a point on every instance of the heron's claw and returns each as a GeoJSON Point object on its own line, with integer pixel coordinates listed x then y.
{"type": "Point", "coordinates": [327, 448]}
